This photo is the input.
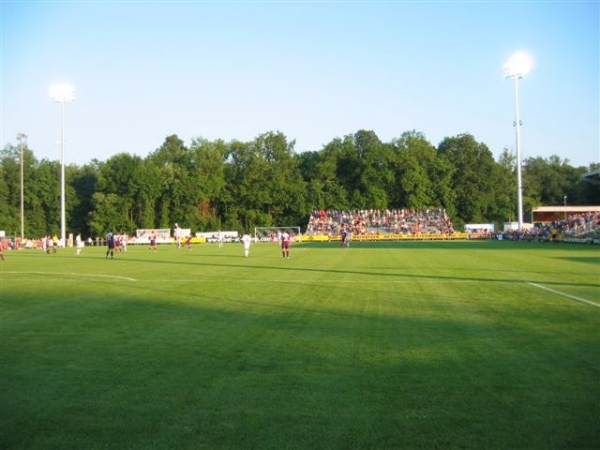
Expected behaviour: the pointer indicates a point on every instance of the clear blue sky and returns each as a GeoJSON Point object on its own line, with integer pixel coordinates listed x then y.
{"type": "Point", "coordinates": [312, 70]}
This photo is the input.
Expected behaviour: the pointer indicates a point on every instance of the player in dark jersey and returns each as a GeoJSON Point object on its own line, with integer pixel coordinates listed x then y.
{"type": "Point", "coordinates": [110, 243]}
{"type": "Point", "coordinates": [152, 242]}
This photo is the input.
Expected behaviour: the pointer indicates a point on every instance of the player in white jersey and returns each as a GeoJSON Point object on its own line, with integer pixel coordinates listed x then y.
{"type": "Point", "coordinates": [246, 240]}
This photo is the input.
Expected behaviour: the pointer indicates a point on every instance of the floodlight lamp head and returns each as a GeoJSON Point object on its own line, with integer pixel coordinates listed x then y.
{"type": "Point", "coordinates": [518, 66]}
{"type": "Point", "coordinates": [62, 93]}
{"type": "Point", "coordinates": [21, 137]}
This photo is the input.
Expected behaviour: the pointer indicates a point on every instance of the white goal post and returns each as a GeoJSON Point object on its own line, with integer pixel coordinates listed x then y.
{"type": "Point", "coordinates": [272, 234]}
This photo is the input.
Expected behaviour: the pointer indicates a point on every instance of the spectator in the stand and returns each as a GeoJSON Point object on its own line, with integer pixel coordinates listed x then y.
{"type": "Point", "coordinates": [374, 221]}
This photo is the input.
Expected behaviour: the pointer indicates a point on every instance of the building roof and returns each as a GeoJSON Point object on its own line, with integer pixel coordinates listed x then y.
{"type": "Point", "coordinates": [567, 209]}
{"type": "Point", "coordinates": [592, 177]}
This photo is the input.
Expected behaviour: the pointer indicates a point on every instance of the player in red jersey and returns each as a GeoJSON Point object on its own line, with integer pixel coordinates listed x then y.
{"type": "Point", "coordinates": [285, 244]}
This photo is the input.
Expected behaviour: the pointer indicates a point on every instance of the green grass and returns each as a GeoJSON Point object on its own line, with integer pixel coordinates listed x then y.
{"type": "Point", "coordinates": [476, 345]}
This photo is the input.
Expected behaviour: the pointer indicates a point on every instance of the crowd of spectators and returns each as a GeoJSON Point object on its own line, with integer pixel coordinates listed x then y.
{"type": "Point", "coordinates": [15, 243]}
{"type": "Point", "coordinates": [376, 221]}
{"type": "Point", "coordinates": [581, 223]}
{"type": "Point", "coordinates": [573, 226]}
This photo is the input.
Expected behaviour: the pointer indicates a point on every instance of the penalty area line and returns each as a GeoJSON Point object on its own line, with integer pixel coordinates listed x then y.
{"type": "Point", "coordinates": [564, 294]}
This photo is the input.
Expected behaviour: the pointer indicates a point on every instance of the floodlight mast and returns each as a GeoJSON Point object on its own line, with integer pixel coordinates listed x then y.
{"type": "Point", "coordinates": [518, 66]}
{"type": "Point", "coordinates": [22, 138]}
{"type": "Point", "coordinates": [62, 93]}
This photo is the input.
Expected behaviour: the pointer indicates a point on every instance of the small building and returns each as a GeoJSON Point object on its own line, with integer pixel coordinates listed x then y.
{"type": "Point", "coordinates": [513, 226]}
{"type": "Point", "coordinates": [480, 227]}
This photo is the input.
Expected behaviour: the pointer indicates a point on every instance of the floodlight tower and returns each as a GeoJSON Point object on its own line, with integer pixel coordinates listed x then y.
{"type": "Point", "coordinates": [517, 67]}
{"type": "Point", "coordinates": [22, 138]}
{"type": "Point", "coordinates": [62, 93]}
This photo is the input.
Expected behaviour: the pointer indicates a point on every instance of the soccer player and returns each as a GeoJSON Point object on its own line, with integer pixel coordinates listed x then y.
{"type": "Point", "coordinates": [345, 237]}
{"type": "Point", "coordinates": [247, 240]}
{"type": "Point", "coordinates": [285, 244]}
{"type": "Point", "coordinates": [110, 243]}
{"type": "Point", "coordinates": [177, 233]}
{"type": "Point", "coordinates": [152, 242]}
{"type": "Point", "coordinates": [78, 243]}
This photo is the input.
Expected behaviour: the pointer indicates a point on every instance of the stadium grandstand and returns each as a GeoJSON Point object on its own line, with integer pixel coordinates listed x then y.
{"type": "Point", "coordinates": [374, 222]}
{"type": "Point", "coordinates": [551, 223]}
{"type": "Point", "coordinates": [549, 214]}
{"type": "Point", "coordinates": [568, 221]}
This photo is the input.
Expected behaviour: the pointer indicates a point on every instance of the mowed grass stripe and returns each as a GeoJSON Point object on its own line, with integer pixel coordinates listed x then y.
{"type": "Point", "coordinates": [383, 345]}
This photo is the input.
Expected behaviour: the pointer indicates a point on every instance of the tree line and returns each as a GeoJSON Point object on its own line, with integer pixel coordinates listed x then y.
{"type": "Point", "coordinates": [235, 185]}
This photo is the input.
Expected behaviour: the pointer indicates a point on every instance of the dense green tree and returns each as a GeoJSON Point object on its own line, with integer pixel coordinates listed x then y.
{"type": "Point", "coordinates": [265, 182]}
{"type": "Point", "coordinates": [240, 185]}
{"type": "Point", "coordinates": [348, 169]}
{"type": "Point", "coordinates": [422, 177]}
{"type": "Point", "coordinates": [364, 169]}
{"type": "Point", "coordinates": [337, 174]}
{"type": "Point", "coordinates": [5, 206]}
{"type": "Point", "coordinates": [10, 189]}
{"type": "Point", "coordinates": [247, 178]}
{"type": "Point", "coordinates": [504, 180]}
{"type": "Point", "coordinates": [541, 181]}
{"type": "Point", "coordinates": [319, 171]}
{"type": "Point", "coordinates": [473, 165]}
{"type": "Point", "coordinates": [108, 215]}
{"type": "Point", "coordinates": [84, 182]}
{"type": "Point", "coordinates": [117, 183]}
{"type": "Point", "coordinates": [551, 180]}
{"type": "Point", "coordinates": [375, 160]}
{"type": "Point", "coordinates": [178, 192]}
{"type": "Point", "coordinates": [208, 178]}
{"type": "Point", "coordinates": [45, 193]}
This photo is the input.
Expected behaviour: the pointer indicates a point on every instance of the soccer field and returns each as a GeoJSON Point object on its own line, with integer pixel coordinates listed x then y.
{"type": "Point", "coordinates": [432, 345]}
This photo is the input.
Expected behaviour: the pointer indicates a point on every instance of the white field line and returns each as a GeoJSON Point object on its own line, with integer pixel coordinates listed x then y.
{"type": "Point", "coordinates": [564, 294]}
{"type": "Point", "coordinates": [248, 280]}
{"type": "Point", "coordinates": [70, 274]}
{"type": "Point", "coordinates": [573, 297]}
{"type": "Point", "coordinates": [291, 281]}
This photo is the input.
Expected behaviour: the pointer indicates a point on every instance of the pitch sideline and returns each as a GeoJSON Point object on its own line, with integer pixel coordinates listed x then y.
{"type": "Point", "coordinates": [71, 274]}
{"type": "Point", "coordinates": [564, 294]}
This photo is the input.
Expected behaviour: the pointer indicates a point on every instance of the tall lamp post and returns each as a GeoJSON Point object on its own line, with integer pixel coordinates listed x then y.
{"type": "Point", "coordinates": [22, 138]}
{"type": "Point", "coordinates": [517, 67]}
{"type": "Point", "coordinates": [565, 204]}
{"type": "Point", "coordinates": [62, 93]}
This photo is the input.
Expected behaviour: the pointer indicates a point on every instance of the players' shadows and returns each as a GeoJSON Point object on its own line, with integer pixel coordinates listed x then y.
{"type": "Point", "coordinates": [334, 272]}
